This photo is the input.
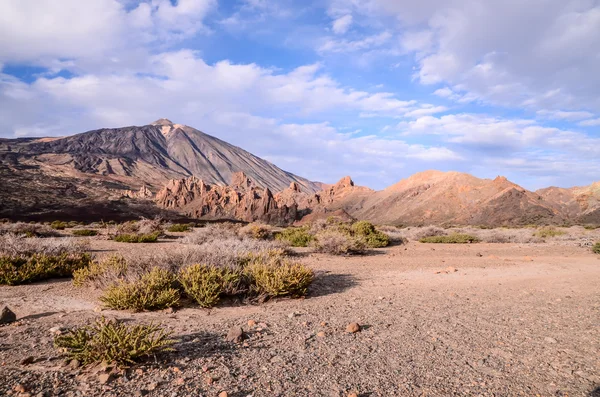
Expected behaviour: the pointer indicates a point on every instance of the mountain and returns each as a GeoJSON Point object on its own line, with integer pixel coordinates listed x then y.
{"type": "Point", "coordinates": [443, 198]}
{"type": "Point", "coordinates": [582, 204]}
{"type": "Point", "coordinates": [51, 175]}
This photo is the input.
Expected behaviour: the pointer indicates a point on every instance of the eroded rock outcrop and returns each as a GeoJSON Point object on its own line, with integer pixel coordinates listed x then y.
{"type": "Point", "coordinates": [242, 200]}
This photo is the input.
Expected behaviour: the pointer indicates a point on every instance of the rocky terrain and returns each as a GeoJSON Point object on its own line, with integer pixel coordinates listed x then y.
{"type": "Point", "coordinates": [449, 320]}
{"type": "Point", "coordinates": [174, 170]}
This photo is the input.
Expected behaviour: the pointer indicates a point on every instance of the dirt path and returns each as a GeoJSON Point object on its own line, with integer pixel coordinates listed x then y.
{"type": "Point", "coordinates": [511, 320]}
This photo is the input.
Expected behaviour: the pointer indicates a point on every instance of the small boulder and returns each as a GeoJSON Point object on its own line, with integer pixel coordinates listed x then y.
{"type": "Point", "coordinates": [235, 334]}
{"type": "Point", "coordinates": [353, 328]}
{"type": "Point", "coordinates": [321, 334]}
{"type": "Point", "coordinates": [7, 316]}
{"type": "Point", "coordinates": [251, 323]}
{"type": "Point", "coordinates": [104, 378]}
{"type": "Point", "coordinates": [223, 394]}
{"type": "Point", "coordinates": [28, 360]}
{"type": "Point", "coordinates": [20, 388]}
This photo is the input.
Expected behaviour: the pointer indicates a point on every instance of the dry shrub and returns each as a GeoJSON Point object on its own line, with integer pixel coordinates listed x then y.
{"type": "Point", "coordinates": [430, 231]}
{"type": "Point", "coordinates": [257, 231]}
{"type": "Point", "coordinates": [59, 225]}
{"type": "Point", "coordinates": [179, 228]}
{"type": "Point", "coordinates": [596, 248]}
{"type": "Point", "coordinates": [137, 238]}
{"type": "Point", "coordinates": [113, 342]}
{"type": "Point", "coordinates": [395, 235]}
{"type": "Point", "coordinates": [206, 284]}
{"type": "Point", "coordinates": [101, 274]}
{"type": "Point", "coordinates": [152, 291]}
{"type": "Point", "coordinates": [549, 231]}
{"type": "Point", "coordinates": [211, 232]}
{"type": "Point", "coordinates": [25, 260]}
{"type": "Point", "coordinates": [84, 232]}
{"type": "Point", "coordinates": [13, 245]}
{"type": "Point", "coordinates": [272, 279]}
{"type": "Point", "coordinates": [336, 242]}
{"type": "Point", "coordinates": [455, 238]}
{"type": "Point", "coordinates": [28, 229]}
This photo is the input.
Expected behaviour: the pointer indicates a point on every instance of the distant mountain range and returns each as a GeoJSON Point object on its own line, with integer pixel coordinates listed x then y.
{"type": "Point", "coordinates": [174, 170]}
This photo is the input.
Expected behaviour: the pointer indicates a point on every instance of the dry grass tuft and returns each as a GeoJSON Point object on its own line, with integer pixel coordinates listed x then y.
{"type": "Point", "coordinates": [257, 231]}
{"type": "Point", "coordinates": [335, 242]}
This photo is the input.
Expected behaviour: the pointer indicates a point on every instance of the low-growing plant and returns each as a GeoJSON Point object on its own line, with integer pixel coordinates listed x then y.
{"type": "Point", "coordinates": [206, 284]}
{"type": "Point", "coordinates": [137, 238]}
{"type": "Point", "coordinates": [28, 229]}
{"type": "Point", "coordinates": [19, 269]}
{"type": "Point", "coordinates": [546, 232]}
{"type": "Point", "coordinates": [451, 239]}
{"type": "Point", "coordinates": [59, 225]}
{"type": "Point", "coordinates": [591, 227]}
{"type": "Point", "coordinates": [152, 291]}
{"type": "Point", "coordinates": [273, 279]}
{"type": "Point", "coordinates": [101, 273]}
{"type": "Point", "coordinates": [257, 231]}
{"type": "Point", "coordinates": [596, 248]}
{"type": "Point", "coordinates": [211, 232]}
{"type": "Point", "coordinates": [179, 228]}
{"type": "Point", "coordinates": [84, 232]}
{"type": "Point", "coordinates": [295, 236]}
{"type": "Point", "coordinates": [336, 242]}
{"type": "Point", "coordinates": [372, 237]}
{"type": "Point", "coordinates": [111, 341]}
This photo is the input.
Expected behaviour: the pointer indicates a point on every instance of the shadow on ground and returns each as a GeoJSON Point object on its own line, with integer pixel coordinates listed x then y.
{"type": "Point", "coordinates": [327, 283]}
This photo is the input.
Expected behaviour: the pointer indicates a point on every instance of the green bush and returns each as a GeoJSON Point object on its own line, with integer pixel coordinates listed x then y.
{"type": "Point", "coordinates": [113, 342]}
{"type": "Point", "coordinates": [270, 280]}
{"type": "Point", "coordinates": [137, 238]}
{"type": "Point", "coordinates": [206, 284]}
{"type": "Point", "coordinates": [546, 232]}
{"type": "Point", "coordinates": [85, 232]}
{"type": "Point", "coordinates": [451, 239]}
{"type": "Point", "coordinates": [101, 273]}
{"type": "Point", "coordinates": [373, 238]}
{"type": "Point", "coordinates": [179, 228]}
{"type": "Point", "coordinates": [59, 225]}
{"type": "Point", "coordinates": [591, 227]}
{"type": "Point", "coordinates": [15, 270]}
{"type": "Point", "coordinates": [296, 237]}
{"type": "Point", "coordinates": [596, 248]}
{"type": "Point", "coordinates": [153, 291]}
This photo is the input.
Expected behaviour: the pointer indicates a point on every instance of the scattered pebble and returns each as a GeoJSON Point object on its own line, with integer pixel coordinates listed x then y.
{"type": "Point", "coordinates": [353, 328]}
{"type": "Point", "coordinates": [235, 334]}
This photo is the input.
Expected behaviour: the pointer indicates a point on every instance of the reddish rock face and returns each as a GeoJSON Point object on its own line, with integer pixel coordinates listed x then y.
{"type": "Point", "coordinates": [242, 200]}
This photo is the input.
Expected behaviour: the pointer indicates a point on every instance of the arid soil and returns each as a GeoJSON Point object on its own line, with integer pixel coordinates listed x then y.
{"type": "Point", "coordinates": [437, 320]}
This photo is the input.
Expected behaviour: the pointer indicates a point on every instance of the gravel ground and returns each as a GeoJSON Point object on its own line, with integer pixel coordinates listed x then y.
{"type": "Point", "coordinates": [443, 320]}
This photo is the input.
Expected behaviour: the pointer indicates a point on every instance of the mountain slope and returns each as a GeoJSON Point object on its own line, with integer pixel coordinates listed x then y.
{"type": "Point", "coordinates": [153, 154]}
{"type": "Point", "coordinates": [434, 197]}
{"type": "Point", "coordinates": [582, 204]}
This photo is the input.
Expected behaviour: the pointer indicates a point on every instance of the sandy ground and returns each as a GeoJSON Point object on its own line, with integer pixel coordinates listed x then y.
{"type": "Point", "coordinates": [511, 320]}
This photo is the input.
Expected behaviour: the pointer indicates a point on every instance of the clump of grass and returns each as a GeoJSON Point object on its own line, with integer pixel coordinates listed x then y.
{"type": "Point", "coordinates": [336, 242]}
{"type": "Point", "coordinates": [546, 232]}
{"type": "Point", "coordinates": [152, 291]}
{"type": "Point", "coordinates": [84, 232]}
{"type": "Point", "coordinates": [137, 238]}
{"type": "Point", "coordinates": [16, 270]}
{"type": "Point", "coordinates": [211, 232]}
{"type": "Point", "coordinates": [295, 236]}
{"type": "Point", "coordinates": [179, 228]}
{"type": "Point", "coordinates": [257, 231]}
{"type": "Point", "coordinates": [372, 237]}
{"type": "Point", "coordinates": [114, 342]}
{"type": "Point", "coordinates": [596, 248]}
{"type": "Point", "coordinates": [102, 273]}
{"type": "Point", "coordinates": [451, 239]}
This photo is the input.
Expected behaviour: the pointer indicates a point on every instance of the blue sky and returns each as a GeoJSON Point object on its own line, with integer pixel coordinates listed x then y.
{"type": "Point", "coordinates": [375, 89]}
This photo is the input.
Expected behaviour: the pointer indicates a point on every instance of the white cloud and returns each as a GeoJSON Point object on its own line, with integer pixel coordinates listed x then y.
{"type": "Point", "coordinates": [40, 31]}
{"type": "Point", "coordinates": [590, 123]}
{"type": "Point", "coordinates": [562, 115]}
{"type": "Point", "coordinates": [511, 53]}
{"type": "Point", "coordinates": [331, 44]}
{"type": "Point", "coordinates": [342, 24]}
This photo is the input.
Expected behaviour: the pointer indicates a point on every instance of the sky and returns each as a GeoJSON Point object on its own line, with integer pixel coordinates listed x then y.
{"type": "Point", "coordinates": [374, 89]}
